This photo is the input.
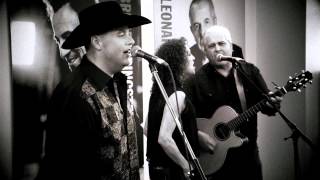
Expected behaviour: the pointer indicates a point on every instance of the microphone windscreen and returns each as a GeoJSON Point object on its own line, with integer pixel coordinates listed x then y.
{"type": "Point", "coordinates": [219, 57]}
{"type": "Point", "coordinates": [134, 50]}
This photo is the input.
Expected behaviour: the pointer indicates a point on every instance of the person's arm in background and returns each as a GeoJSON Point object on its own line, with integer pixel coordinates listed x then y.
{"type": "Point", "coordinates": [167, 128]}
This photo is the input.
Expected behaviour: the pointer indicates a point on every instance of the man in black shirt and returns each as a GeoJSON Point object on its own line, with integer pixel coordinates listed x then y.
{"type": "Point", "coordinates": [217, 86]}
{"type": "Point", "coordinates": [91, 134]}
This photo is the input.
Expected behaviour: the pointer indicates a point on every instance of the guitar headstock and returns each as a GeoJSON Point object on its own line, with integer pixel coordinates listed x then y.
{"type": "Point", "coordinates": [298, 81]}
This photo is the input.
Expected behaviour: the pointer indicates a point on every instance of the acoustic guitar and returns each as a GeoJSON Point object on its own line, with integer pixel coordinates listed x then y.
{"type": "Point", "coordinates": [225, 121]}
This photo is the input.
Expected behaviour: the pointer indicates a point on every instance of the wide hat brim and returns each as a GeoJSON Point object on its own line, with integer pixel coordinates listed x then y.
{"type": "Point", "coordinates": [99, 19]}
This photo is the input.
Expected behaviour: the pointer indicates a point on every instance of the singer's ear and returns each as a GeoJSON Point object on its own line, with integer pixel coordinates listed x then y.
{"type": "Point", "coordinates": [96, 43]}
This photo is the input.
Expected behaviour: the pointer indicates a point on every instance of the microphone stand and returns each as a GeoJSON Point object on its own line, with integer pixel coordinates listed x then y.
{"type": "Point", "coordinates": [154, 72]}
{"type": "Point", "coordinates": [296, 132]}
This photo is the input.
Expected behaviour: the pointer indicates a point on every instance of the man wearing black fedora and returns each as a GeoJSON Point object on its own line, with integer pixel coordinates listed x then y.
{"type": "Point", "coordinates": [91, 134]}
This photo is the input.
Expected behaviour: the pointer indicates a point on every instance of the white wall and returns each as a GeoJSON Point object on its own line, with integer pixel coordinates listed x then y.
{"type": "Point", "coordinates": [313, 92]}
{"type": "Point", "coordinates": [281, 51]}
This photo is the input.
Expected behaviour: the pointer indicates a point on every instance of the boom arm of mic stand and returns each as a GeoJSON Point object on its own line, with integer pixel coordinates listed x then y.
{"type": "Point", "coordinates": [175, 117]}
{"type": "Point", "coordinates": [296, 133]}
{"type": "Point", "coordinates": [292, 126]}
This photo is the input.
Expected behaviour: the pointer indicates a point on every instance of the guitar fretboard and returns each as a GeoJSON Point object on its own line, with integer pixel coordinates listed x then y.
{"type": "Point", "coordinates": [245, 116]}
{"type": "Point", "coordinates": [292, 85]}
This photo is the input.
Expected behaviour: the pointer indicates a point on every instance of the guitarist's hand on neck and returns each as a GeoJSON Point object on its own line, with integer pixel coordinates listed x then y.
{"type": "Point", "coordinates": [275, 100]}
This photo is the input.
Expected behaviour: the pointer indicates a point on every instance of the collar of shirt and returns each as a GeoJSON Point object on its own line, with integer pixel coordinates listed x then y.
{"type": "Point", "coordinates": [212, 71]}
{"type": "Point", "coordinates": [99, 78]}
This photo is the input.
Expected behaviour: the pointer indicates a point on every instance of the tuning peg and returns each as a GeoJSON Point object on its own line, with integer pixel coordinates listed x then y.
{"type": "Point", "coordinates": [304, 86]}
{"type": "Point", "coordinates": [310, 81]}
{"type": "Point", "coordinates": [299, 90]}
{"type": "Point", "coordinates": [303, 71]}
{"type": "Point", "coordinates": [290, 77]}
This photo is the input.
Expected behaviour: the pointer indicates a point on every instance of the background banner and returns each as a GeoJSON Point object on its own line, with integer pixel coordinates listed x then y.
{"type": "Point", "coordinates": [171, 20]}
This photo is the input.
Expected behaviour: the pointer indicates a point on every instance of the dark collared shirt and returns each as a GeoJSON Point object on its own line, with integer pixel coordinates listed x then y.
{"type": "Point", "coordinates": [90, 134]}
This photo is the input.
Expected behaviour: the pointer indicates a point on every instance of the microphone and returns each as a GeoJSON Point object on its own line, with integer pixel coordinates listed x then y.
{"type": "Point", "coordinates": [136, 51]}
{"type": "Point", "coordinates": [221, 57]}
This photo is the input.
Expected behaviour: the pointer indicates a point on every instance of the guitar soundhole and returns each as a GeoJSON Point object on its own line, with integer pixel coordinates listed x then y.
{"type": "Point", "coordinates": [222, 132]}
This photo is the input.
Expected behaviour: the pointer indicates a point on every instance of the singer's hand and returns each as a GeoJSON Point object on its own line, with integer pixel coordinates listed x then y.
{"type": "Point", "coordinates": [206, 142]}
{"type": "Point", "coordinates": [187, 175]}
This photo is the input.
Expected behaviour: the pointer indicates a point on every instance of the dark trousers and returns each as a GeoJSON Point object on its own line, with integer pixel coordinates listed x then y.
{"type": "Point", "coordinates": [165, 173]}
{"type": "Point", "coordinates": [241, 163]}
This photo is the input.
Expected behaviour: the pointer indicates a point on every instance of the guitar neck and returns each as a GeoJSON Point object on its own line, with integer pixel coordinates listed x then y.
{"type": "Point", "coordinates": [252, 111]}
{"type": "Point", "coordinates": [245, 116]}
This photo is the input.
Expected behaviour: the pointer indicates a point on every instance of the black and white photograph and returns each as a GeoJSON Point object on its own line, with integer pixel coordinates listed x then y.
{"type": "Point", "coordinates": [159, 89]}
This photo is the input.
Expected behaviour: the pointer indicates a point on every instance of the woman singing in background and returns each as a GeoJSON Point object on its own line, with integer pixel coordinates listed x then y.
{"type": "Point", "coordinates": [166, 152]}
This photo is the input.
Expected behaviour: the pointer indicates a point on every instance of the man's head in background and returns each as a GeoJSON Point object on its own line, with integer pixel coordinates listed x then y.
{"type": "Point", "coordinates": [202, 16]}
{"type": "Point", "coordinates": [63, 15]}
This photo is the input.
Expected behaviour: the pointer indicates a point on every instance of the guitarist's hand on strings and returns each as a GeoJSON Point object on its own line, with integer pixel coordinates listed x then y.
{"type": "Point", "coordinates": [206, 142]}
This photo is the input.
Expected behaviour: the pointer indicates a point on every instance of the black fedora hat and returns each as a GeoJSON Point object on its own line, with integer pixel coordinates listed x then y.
{"type": "Point", "coordinates": [101, 18]}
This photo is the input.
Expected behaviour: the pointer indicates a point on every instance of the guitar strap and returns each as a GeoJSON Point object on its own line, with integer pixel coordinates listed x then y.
{"type": "Point", "coordinates": [240, 90]}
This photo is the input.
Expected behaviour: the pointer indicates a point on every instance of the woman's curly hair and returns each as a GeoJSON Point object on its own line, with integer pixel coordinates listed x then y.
{"type": "Point", "coordinates": [174, 53]}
